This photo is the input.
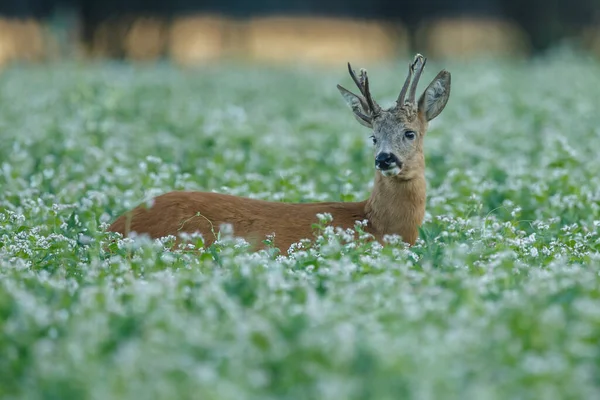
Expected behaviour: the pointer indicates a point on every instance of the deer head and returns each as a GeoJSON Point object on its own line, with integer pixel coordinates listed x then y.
{"type": "Point", "coordinates": [398, 132]}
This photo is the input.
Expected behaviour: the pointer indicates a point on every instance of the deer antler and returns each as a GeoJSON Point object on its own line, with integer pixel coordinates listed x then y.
{"type": "Point", "coordinates": [419, 70]}
{"type": "Point", "coordinates": [402, 95]}
{"type": "Point", "coordinates": [417, 65]}
{"type": "Point", "coordinates": [362, 83]}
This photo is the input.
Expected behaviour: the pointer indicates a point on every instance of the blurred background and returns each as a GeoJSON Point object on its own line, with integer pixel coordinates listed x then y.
{"type": "Point", "coordinates": [192, 32]}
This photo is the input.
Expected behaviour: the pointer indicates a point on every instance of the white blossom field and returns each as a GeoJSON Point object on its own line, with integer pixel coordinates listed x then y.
{"type": "Point", "coordinates": [499, 299]}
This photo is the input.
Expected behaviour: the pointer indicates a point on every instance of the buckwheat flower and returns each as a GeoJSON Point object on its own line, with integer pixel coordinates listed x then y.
{"type": "Point", "coordinates": [84, 239]}
{"type": "Point", "coordinates": [533, 252]}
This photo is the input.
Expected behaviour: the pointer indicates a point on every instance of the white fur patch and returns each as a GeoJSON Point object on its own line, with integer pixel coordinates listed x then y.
{"type": "Point", "coordinates": [434, 92]}
{"type": "Point", "coordinates": [390, 172]}
{"type": "Point", "coordinates": [436, 96]}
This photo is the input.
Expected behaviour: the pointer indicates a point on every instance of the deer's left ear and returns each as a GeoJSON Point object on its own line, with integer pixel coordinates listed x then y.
{"type": "Point", "coordinates": [434, 98]}
{"type": "Point", "coordinates": [359, 108]}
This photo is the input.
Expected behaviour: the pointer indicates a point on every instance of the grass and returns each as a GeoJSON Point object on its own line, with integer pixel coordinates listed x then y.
{"type": "Point", "coordinates": [500, 298]}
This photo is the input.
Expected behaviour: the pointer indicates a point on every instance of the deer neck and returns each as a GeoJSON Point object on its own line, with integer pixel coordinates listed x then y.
{"type": "Point", "coordinates": [397, 206]}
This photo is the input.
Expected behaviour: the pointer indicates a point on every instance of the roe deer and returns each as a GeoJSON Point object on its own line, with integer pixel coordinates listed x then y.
{"type": "Point", "coordinates": [396, 205]}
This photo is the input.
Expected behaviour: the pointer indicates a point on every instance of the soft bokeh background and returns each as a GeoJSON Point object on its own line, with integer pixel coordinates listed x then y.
{"type": "Point", "coordinates": [104, 104]}
{"type": "Point", "coordinates": [316, 32]}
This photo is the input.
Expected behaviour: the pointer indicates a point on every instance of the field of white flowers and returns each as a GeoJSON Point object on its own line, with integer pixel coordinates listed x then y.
{"type": "Point", "coordinates": [500, 299]}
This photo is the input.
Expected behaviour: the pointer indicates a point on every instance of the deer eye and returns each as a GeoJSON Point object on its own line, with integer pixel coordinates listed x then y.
{"type": "Point", "coordinates": [374, 139]}
{"type": "Point", "coordinates": [410, 135]}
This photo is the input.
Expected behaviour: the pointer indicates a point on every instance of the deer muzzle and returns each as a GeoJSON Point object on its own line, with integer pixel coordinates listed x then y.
{"type": "Point", "coordinates": [388, 164]}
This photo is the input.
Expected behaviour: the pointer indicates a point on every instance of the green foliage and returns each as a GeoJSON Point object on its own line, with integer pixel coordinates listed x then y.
{"type": "Point", "coordinates": [499, 299]}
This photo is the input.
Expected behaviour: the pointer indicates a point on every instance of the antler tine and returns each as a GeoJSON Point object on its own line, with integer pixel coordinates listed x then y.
{"type": "Point", "coordinates": [356, 80]}
{"type": "Point", "coordinates": [359, 84]}
{"type": "Point", "coordinates": [402, 95]}
{"type": "Point", "coordinates": [415, 82]}
{"type": "Point", "coordinates": [374, 106]}
{"type": "Point", "coordinates": [363, 85]}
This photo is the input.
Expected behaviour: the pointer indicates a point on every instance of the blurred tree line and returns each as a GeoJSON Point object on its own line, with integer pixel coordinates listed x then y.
{"type": "Point", "coordinates": [192, 31]}
{"type": "Point", "coordinates": [543, 21]}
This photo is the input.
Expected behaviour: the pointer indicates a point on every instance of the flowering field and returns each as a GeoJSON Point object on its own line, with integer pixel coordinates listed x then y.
{"type": "Point", "coordinates": [500, 298]}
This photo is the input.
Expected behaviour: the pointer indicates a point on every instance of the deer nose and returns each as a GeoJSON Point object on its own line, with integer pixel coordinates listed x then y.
{"type": "Point", "coordinates": [385, 161]}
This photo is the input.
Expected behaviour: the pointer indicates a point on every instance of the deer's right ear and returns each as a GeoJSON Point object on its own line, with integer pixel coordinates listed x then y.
{"type": "Point", "coordinates": [358, 106]}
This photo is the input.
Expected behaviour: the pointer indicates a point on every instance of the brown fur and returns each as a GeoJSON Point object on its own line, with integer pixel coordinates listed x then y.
{"type": "Point", "coordinates": [252, 219]}
{"type": "Point", "coordinates": [396, 205]}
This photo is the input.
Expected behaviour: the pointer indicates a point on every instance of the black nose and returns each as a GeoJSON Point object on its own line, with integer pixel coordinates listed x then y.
{"type": "Point", "coordinates": [386, 161]}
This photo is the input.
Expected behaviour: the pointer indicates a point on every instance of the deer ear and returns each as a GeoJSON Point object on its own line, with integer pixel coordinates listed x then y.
{"type": "Point", "coordinates": [358, 107]}
{"type": "Point", "coordinates": [434, 98]}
